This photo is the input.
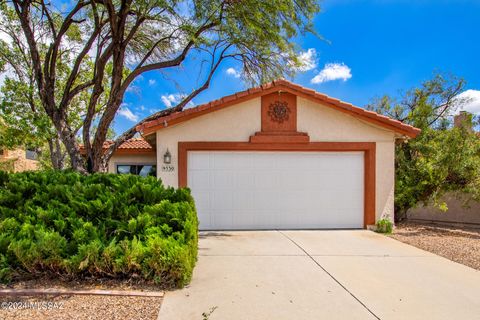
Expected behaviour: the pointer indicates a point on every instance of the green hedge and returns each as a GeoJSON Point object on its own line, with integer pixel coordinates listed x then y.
{"type": "Point", "coordinates": [100, 225]}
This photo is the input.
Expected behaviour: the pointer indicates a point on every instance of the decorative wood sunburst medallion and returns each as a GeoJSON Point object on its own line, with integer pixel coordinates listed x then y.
{"type": "Point", "coordinates": [279, 111]}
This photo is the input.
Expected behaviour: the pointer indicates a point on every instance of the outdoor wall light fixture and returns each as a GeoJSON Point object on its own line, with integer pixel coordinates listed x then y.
{"type": "Point", "coordinates": [167, 157]}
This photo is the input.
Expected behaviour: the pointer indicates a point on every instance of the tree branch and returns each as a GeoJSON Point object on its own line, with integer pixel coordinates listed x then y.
{"type": "Point", "coordinates": [132, 131]}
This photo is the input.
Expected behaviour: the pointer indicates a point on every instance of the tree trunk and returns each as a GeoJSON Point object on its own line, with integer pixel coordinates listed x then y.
{"type": "Point", "coordinates": [70, 142]}
{"type": "Point", "coordinates": [57, 155]}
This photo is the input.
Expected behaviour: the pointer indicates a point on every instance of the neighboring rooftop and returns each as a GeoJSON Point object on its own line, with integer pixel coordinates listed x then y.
{"type": "Point", "coordinates": [134, 143]}
{"type": "Point", "coordinates": [137, 144]}
{"type": "Point", "coordinates": [163, 120]}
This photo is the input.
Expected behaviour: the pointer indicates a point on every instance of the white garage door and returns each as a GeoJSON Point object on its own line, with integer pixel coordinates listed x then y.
{"type": "Point", "coordinates": [277, 190]}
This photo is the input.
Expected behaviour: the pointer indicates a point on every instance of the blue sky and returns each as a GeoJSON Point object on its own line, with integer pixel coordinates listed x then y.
{"type": "Point", "coordinates": [374, 47]}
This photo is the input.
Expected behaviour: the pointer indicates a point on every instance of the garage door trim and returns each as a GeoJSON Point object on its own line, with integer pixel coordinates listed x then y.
{"type": "Point", "coordinates": [369, 149]}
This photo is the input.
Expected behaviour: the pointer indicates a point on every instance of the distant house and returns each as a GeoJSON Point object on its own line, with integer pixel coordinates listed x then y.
{"type": "Point", "coordinates": [18, 160]}
{"type": "Point", "coordinates": [134, 156]}
{"type": "Point", "coordinates": [457, 212]}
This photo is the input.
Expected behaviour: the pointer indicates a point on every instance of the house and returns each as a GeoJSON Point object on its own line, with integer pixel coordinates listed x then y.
{"type": "Point", "coordinates": [278, 156]}
{"type": "Point", "coordinates": [17, 160]}
{"type": "Point", "coordinates": [135, 156]}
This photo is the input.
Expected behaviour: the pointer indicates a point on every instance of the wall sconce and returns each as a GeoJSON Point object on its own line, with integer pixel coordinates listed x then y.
{"type": "Point", "coordinates": [167, 157]}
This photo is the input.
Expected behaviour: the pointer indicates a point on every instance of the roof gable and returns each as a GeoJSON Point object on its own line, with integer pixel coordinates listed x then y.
{"type": "Point", "coordinates": [152, 126]}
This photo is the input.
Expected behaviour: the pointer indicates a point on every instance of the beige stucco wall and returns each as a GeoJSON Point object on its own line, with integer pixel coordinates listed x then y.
{"type": "Point", "coordinates": [21, 163]}
{"type": "Point", "coordinates": [457, 211]}
{"type": "Point", "coordinates": [130, 159]}
{"type": "Point", "coordinates": [239, 122]}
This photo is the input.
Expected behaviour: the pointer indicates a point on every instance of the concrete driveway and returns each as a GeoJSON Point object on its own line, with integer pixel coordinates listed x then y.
{"type": "Point", "coordinates": [321, 275]}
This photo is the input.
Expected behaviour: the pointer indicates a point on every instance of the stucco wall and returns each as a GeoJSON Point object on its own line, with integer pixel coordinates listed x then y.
{"type": "Point", "coordinates": [130, 159]}
{"type": "Point", "coordinates": [456, 213]}
{"type": "Point", "coordinates": [21, 163]}
{"type": "Point", "coordinates": [239, 122]}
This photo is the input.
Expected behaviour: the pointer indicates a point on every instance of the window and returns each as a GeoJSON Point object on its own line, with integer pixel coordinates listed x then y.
{"type": "Point", "coordinates": [2, 152]}
{"type": "Point", "coordinates": [31, 154]}
{"type": "Point", "coordinates": [138, 169]}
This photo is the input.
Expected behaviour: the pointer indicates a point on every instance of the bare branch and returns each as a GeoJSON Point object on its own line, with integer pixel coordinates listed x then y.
{"type": "Point", "coordinates": [68, 94]}
{"type": "Point", "coordinates": [132, 131]}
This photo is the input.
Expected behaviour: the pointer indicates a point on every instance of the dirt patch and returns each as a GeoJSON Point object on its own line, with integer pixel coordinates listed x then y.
{"type": "Point", "coordinates": [459, 244]}
{"type": "Point", "coordinates": [80, 307]}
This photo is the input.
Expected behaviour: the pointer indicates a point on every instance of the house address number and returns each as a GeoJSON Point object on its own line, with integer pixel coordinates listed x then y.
{"type": "Point", "coordinates": [168, 168]}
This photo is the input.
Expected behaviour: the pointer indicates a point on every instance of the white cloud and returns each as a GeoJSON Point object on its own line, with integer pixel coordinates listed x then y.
{"type": "Point", "coordinates": [470, 101]}
{"type": "Point", "coordinates": [333, 71]}
{"type": "Point", "coordinates": [171, 99]}
{"type": "Point", "coordinates": [233, 72]}
{"type": "Point", "coordinates": [307, 60]}
{"type": "Point", "coordinates": [126, 113]}
{"type": "Point", "coordinates": [152, 82]}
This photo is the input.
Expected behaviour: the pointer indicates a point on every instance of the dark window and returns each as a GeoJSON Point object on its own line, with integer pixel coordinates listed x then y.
{"type": "Point", "coordinates": [138, 169]}
{"type": "Point", "coordinates": [31, 154]}
{"type": "Point", "coordinates": [2, 152]}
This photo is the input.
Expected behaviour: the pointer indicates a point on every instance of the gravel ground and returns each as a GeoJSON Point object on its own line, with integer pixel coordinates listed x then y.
{"type": "Point", "coordinates": [80, 307]}
{"type": "Point", "coordinates": [458, 244]}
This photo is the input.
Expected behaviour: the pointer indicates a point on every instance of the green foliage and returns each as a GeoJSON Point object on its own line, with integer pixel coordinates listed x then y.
{"type": "Point", "coordinates": [384, 226]}
{"type": "Point", "coordinates": [7, 165]}
{"type": "Point", "coordinates": [442, 158]}
{"type": "Point", "coordinates": [54, 222]}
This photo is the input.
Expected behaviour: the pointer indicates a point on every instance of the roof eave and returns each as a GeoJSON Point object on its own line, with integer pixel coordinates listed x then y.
{"type": "Point", "coordinates": [151, 127]}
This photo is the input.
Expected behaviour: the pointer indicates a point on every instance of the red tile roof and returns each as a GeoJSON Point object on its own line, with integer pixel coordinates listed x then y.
{"type": "Point", "coordinates": [138, 144]}
{"type": "Point", "coordinates": [134, 143]}
{"type": "Point", "coordinates": [150, 127]}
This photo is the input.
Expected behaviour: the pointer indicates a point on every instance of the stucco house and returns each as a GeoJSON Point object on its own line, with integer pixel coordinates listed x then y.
{"type": "Point", "coordinates": [278, 156]}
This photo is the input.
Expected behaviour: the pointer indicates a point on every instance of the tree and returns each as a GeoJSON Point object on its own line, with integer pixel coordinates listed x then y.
{"type": "Point", "coordinates": [134, 37]}
{"type": "Point", "coordinates": [441, 158]}
{"type": "Point", "coordinates": [23, 116]}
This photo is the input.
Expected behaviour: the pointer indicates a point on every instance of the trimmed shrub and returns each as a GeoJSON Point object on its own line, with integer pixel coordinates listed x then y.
{"type": "Point", "coordinates": [100, 225]}
{"type": "Point", "coordinates": [384, 226]}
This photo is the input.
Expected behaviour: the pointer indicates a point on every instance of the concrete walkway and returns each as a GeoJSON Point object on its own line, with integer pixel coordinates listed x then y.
{"type": "Point", "coordinates": [321, 275]}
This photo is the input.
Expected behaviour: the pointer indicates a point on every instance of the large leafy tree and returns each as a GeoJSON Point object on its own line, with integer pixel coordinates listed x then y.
{"type": "Point", "coordinates": [24, 120]}
{"type": "Point", "coordinates": [441, 158]}
{"type": "Point", "coordinates": [107, 44]}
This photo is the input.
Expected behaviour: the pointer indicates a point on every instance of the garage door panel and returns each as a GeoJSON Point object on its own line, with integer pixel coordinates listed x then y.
{"type": "Point", "coordinates": [242, 160]}
{"type": "Point", "coordinates": [293, 201]}
{"type": "Point", "coordinates": [244, 180]}
{"type": "Point", "coordinates": [287, 219]}
{"type": "Point", "coordinates": [205, 219]}
{"type": "Point", "coordinates": [284, 178]}
{"type": "Point", "coordinates": [222, 161]}
{"type": "Point", "coordinates": [270, 190]}
{"type": "Point", "coordinates": [223, 179]}
{"type": "Point", "coordinates": [243, 200]}
{"type": "Point", "coordinates": [222, 200]}
{"type": "Point", "coordinates": [265, 180]}
{"type": "Point", "coordinates": [199, 179]}
{"type": "Point", "coordinates": [202, 200]}
{"type": "Point", "coordinates": [244, 220]}
{"type": "Point", "coordinates": [265, 200]}
{"type": "Point", "coordinates": [262, 161]}
{"type": "Point", "coordinates": [201, 161]}
{"type": "Point", "coordinates": [221, 220]}
{"type": "Point", "coordinates": [264, 220]}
